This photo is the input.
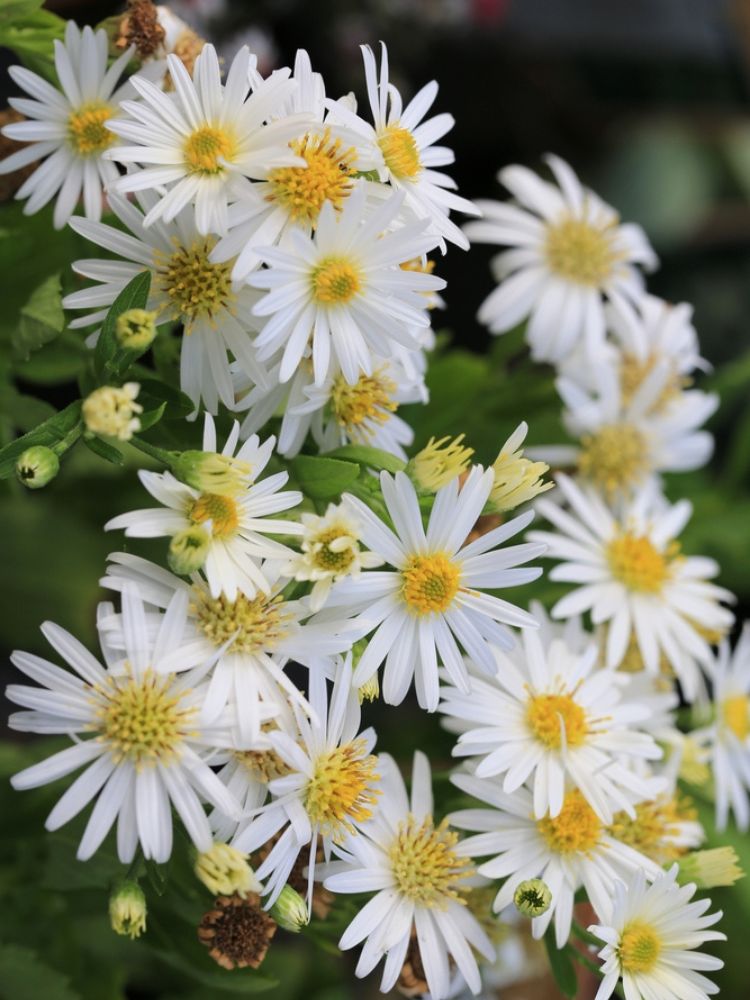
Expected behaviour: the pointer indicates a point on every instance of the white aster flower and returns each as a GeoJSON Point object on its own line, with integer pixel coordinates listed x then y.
{"type": "Point", "coordinates": [67, 127]}
{"type": "Point", "coordinates": [728, 738]}
{"type": "Point", "coordinates": [330, 551]}
{"type": "Point", "coordinates": [343, 290]}
{"type": "Point", "coordinates": [402, 147]}
{"type": "Point", "coordinates": [330, 786]}
{"type": "Point", "coordinates": [140, 734]}
{"type": "Point", "coordinates": [630, 575]}
{"type": "Point", "coordinates": [421, 879]}
{"type": "Point", "coordinates": [569, 851]}
{"type": "Point", "coordinates": [433, 595]}
{"type": "Point", "coordinates": [235, 524]}
{"type": "Point", "coordinates": [568, 254]}
{"type": "Point", "coordinates": [651, 933]}
{"type": "Point", "coordinates": [204, 141]}
{"type": "Point", "coordinates": [186, 287]}
{"type": "Point", "coordinates": [548, 717]}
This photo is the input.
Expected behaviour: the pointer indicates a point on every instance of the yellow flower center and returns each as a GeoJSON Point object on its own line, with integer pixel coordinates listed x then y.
{"type": "Point", "coordinates": [400, 151]}
{"type": "Point", "coordinates": [334, 550]}
{"type": "Point", "coordinates": [196, 287]}
{"type": "Point", "coordinates": [576, 830]}
{"type": "Point", "coordinates": [340, 792]}
{"type": "Point", "coordinates": [425, 866]}
{"type": "Point", "coordinates": [327, 177]}
{"type": "Point", "coordinates": [735, 711]}
{"type": "Point", "coordinates": [258, 624]}
{"type": "Point", "coordinates": [205, 147]}
{"type": "Point", "coordinates": [430, 583]}
{"type": "Point", "coordinates": [639, 948]}
{"type": "Point", "coordinates": [335, 281]}
{"type": "Point", "coordinates": [580, 252]}
{"type": "Point", "coordinates": [262, 765]}
{"type": "Point", "coordinates": [221, 510]}
{"type": "Point", "coordinates": [142, 720]}
{"type": "Point", "coordinates": [87, 133]}
{"type": "Point", "coordinates": [370, 399]}
{"type": "Point", "coordinates": [616, 456]}
{"type": "Point", "coordinates": [655, 828]}
{"type": "Point", "coordinates": [632, 373]}
{"type": "Point", "coordinates": [636, 562]}
{"type": "Point", "coordinates": [549, 714]}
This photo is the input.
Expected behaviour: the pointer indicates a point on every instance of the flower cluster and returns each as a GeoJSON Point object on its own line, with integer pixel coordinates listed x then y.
{"type": "Point", "coordinates": [283, 235]}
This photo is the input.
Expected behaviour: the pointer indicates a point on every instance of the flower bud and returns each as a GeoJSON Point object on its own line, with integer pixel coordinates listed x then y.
{"type": "Point", "coordinates": [710, 869]}
{"type": "Point", "coordinates": [212, 473]}
{"type": "Point", "coordinates": [135, 329]}
{"type": "Point", "coordinates": [532, 898]}
{"type": "Point", "coordinates": [517, 479]}
{"type": "Point", "coordinates": [439, 463]}
{"type": "Point", "coordinates": [188, 550]}
{"type": "Point", "coordinates": [127, 909]}
{"type": "Point", "coordinates": [290, 910]}
{"type": "Point", "coordinates": [37, 466]}
{"type": "Point", "coordinates": [225, 872]}
{"type": "Point", "coordinates": [370, 690]}
{"type": "Point", "coordinates": [112, 411]}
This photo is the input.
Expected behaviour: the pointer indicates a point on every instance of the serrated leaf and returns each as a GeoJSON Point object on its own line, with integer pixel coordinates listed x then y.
{"type": "Point", "coordinates": [323, 477]}
{"type": "Point", "coordinates": [374, 458]}
{"type": "Point", "coordinates": [42, 318]}
{"type": "Point", "coordinates": [109, 358]}
{"type": "Point", "coordinates": [104, 450]}
{"type": "Point", "coordinates": [25, 976]}
{"type": "Point", "coordinates": [561, 965]}
{"type": "Point", "coordinates": [48, 433]}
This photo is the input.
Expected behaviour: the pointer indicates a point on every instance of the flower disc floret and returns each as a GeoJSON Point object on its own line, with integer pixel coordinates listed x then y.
{"type": "Point", "coordinates": [580, 252]}
{"type": "Point", "coordinates": [370, 398]}
{"type": "Point", "coordinates": [218, 508]}
{"type": "Point", "coordinates": [87, 131]}
{"type": "Point", "coordinates": [549, 716]}
{"type": "Point", "coordinates": [425, 866]}
{"type": "Point", "coordinates": [400, 151]}
{"type": "Point", "coordinates": [335, 280]}
{"type": "Point", "coordinates": [639, 948]}
{"type": "Point", "coordinates": [614, 457]}
{"type": "Point", "coordinates": [735, 712]}
{"type": "Point", "coordinates": [257, 624]}
{"type": "Point", "coordinates": [636, 562]}
{"type": "Point", "coordinates": [575, 830]}
{"type": "Point", "coordinates": [328, 176]}
{"type": "Point", "coordinates": [206, 147]}
{"type": "Point", "coordinates": [196, 286]}
{"type": "Point", "coordinates": [340, 791]}
{"type": "Point", "coordinates": [430, 583]}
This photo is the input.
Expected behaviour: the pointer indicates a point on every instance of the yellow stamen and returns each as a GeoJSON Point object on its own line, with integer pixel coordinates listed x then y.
{"type": "Point", "coordinates": [219, 509]}
{"type": "Point", "coordinates": [87, 133]}
{"type": "Point", "coordinates": [633, 372]}
{"type": "Point", "coordinates": [425, 866]}
{"type": "Point", "coordinates": [340, 792]}
{"type": "Point", "coordinates": [576, 830]}
{"type": "Point", "coordinates": [639, 948]}
{"type": "Point", "coordinates": [636, 562]}
{"type": "Point", "coordinates": [430, 583]}
{"type": "Point", "coordinates": [614, 457]}
{"type": "Point", "coordinates": [335, 281]}
{"type": "Point", "coordinates": [581, 252]}
{"type": "Point", "coordinates": [400, 151]}
{"type": "Point", "coordinates": [205, 147]}
{"type": "Point", "coordinates": [655, 828]}
{"type": "Point", "coordinates": [262, 765]}
{"type": "Point", "coordinates": [369, 400]}
{"type": "Point", "coordinates": [735, 712]}
{"type": "Point", "coordinates": [327, 177]}
{"type": "Point", "coordinates": [440, 462]}
{"type": "Point", "coordinates": [334, 550]}
{"type": "Point", "coordinates": [257, 624]}
{"type": "Point", "coordinates": [196, 287]}
{"type": "Point", "coordinates": [549, 714]}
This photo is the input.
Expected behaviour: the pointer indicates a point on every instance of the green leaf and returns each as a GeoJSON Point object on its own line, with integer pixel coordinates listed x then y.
{"type": "Point", "coordinates": [42, 318]}
{"type": "Point", "coordinates": [49, 433]}
{"type": "Point", "coordinates": [30, 32]}
{"type": "Point", "coordinates": [109, 358]}
{"type": "Point", "coordinates": [25, 976]}
{"type": "Point", "coordinates": [153, 393]}
{"type": "Point", "coordinates": [561, 965]}
{"type": "Point", "coordinates": [151, 417]}
{"type": "Point", "coordinates": [104, 450]}
{"type": "Point", "coordinates": [375, 458]}
{"type": "Point", "coordinates": [323, 477]}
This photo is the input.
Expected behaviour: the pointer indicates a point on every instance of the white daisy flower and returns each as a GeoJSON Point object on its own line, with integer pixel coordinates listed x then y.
{"type": "Point", "coordinates": [141, 737]}
{"type": "Point", "coordinates": [549, 717]}
{"type": "Point", "coordinates": [402, 147]}
{"type": "Point", "coordinates": [329, 789]}
{"type": "Point", "coordinates": [343, 290]}
{"type": "Point", "coordinates": [204, 141]}
{"type": "Point", "coordinates": [651, 933]}
{"type": "Point", "coordinates": [234, 525]}
{"type": "Point", "coordinates": [330, 551]}
{"type": "Point", "coordinates": [421, 879]}
{"type": "Point", "coordinates": [186, 287]}
{"type": "Point", "coordinates": [631, 576]}
{"type": "Point", "coordinates": [728, 738]}
{"type": "Point", "coordinates": [433, 595]}
{"type": "Point", "coordinates": [68, 127]}
{"type": "Point", "coordinates": [568, 254]}
{"type": "Point", "coordinates": [569, 851]}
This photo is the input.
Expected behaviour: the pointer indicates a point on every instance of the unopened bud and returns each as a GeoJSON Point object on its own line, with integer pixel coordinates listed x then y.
{"type": "Point", "coordinates": [532, 898]}
{"type": "Point", "coordinates": [225, 872]}
{"type": "Point", "coordinates": [517, 479]}
{"type": "Point", "coordinates": [212, 473]}
{"type": "Point", "coordinates": [439, 463]}
{"type": "Point", "coordinates": [370, 690]}
{"type": "Point", "coordinates": [188, 550]}
{"type": "Point", "coordinates": [37, 466]}
{"type": "Point", "coordinates": [710, 869]}
{"type": "Point", "coordinates": [127, 909]}
{"type": "Point", "coordinates": [135, 329]}
{"type": "Point", "coordinates": [112, 411]}
{"type": "Point", "coordinates": [290, 910]}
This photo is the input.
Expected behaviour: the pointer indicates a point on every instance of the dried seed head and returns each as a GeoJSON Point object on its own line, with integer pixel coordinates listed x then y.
{"type": "Point", "coordinates": [237, 931]}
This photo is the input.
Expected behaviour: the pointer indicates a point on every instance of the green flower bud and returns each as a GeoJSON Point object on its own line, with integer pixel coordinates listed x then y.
{"type": "Point", "coordinates": [225, 872]}
{"type": "Point", "coordinates": [710, 869]}
{"type": "Point", "coordinates": [37, 467]}
{"type": "Point", "coordinates": [127, 909]}
{"type": "Point", "coordinates": [211, 473]}
{"type": "Point", "coordinates": [290, 910]}
{"type": "Point", "coordinates": [188, 550]}
{"type": "Point", "coordinates": [532, 898]}
{"type": "Point", "coordinates": [135, 329]}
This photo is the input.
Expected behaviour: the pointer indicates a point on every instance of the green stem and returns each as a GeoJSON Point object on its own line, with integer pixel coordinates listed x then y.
{"type": "Point", "coordinates": [162, 456]}
{"type": "Point", "coordinates": [584, 960]}
{"type": "Point", "coordinates": [582, 934]}
{"type": "Point", "coordinates": [68, 441]}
